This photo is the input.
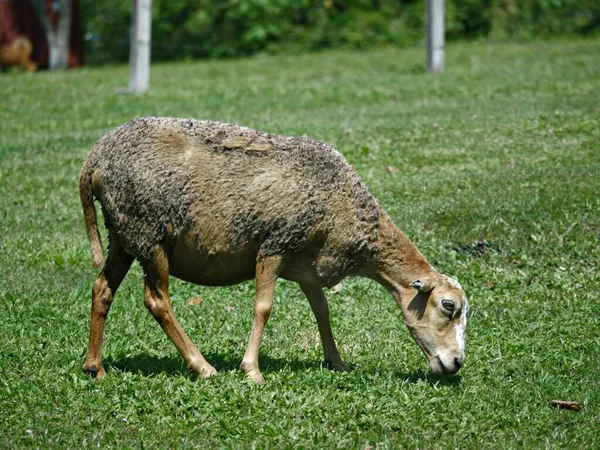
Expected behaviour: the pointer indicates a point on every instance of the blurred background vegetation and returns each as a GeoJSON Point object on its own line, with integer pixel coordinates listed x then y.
{"type": "Point", "coordinates": [185, 29]}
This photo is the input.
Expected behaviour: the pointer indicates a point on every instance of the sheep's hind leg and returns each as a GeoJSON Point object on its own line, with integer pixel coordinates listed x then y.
{"type": "Point", "coordinates": [318, 303]}
{"type": "Point", "coordinates": [156, 299]}
{"type": "Point", "coordinates": [267, 271]}
{"type": "Point", "coordinates": [116, 267]}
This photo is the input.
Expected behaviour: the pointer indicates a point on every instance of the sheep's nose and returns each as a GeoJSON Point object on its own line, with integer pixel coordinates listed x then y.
{"type": "Point", "coordinates": [457, 364]}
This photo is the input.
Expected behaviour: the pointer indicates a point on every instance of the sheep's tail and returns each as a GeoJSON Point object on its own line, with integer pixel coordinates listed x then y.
{"type": "Point", "coordinates": [89, 215]}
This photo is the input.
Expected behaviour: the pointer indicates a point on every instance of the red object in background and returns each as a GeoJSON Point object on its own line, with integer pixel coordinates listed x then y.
{"type": "Point", "coordinates": [18, 18]}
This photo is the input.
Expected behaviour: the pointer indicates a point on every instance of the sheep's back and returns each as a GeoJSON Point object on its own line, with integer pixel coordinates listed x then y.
{"type": "Point", "coordinates": [230, 187]}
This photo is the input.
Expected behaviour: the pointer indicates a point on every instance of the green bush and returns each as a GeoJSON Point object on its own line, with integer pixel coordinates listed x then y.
{"type": "Point", "coordinates": [213, 28]}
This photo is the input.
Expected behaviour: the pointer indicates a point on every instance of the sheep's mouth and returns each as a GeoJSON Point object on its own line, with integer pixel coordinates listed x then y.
{"type": "Point", "coordinates": [435, 363]}
{"type": "Point", "coordinates": [445, 370]}
{"type": "Point", "coordinates": [439, 369]}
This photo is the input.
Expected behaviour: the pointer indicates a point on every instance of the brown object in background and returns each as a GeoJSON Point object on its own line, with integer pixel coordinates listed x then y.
{"type": "Point", "coordinates": [18, 18]}
{"type": "Point", "coordinates": [18, 54]}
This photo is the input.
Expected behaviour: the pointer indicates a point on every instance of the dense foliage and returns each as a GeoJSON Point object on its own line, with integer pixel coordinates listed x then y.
{"type": "Point", "coordinates": [200, 28]}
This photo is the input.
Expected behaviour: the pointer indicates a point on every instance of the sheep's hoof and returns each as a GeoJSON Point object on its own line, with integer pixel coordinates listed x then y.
{"type": "Point", "coordinates": [208, 372]}
{"type": "Point", "coordinates": [255, 376]}
{"type": "Point", "coordinates": [252, 372]}
{"type": "Point", "coordinates": [338, 365]}
{"type": "Point", "coordinates": [94, 371]}
{"type": "Point", "coordinates": [204, 371]}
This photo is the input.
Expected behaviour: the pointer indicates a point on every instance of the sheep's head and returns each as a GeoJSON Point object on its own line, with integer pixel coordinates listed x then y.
{"type": "Point", "coordinates": [435, 312]}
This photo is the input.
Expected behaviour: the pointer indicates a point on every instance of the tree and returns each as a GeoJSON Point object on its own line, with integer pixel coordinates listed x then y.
{"type": "Point", "coordinates": [58, 37]}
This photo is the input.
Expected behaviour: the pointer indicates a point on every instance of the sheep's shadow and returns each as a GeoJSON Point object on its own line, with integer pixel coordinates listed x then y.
{"type": "Point", "coordinates": [417, 376]}
{"type": "Point", "coordinates": [149, 365]}
{"type": "Point", "coordinates": [146, 364]}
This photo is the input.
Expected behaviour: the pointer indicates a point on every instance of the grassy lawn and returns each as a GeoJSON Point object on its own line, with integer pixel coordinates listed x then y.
{"type": "Point", "coordinates": [493, 169]}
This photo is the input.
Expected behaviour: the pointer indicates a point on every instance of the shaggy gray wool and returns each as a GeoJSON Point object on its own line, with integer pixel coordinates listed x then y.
{"type": "Point", "coordinates": [163, 178]}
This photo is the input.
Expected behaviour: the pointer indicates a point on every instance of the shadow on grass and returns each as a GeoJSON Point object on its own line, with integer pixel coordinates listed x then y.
{"type": "Point", "coordinates": [145, 364]}
{"type": "Point", "coordinates": [148, 365]}
{"type": "Point", "coordinates": [428, 377]}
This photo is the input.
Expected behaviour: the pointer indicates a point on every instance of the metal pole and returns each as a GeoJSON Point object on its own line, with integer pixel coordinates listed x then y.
{"type": "Point", "coordinates": [435, 35]}
{"type": "Point", "coordinates": [139, 51]}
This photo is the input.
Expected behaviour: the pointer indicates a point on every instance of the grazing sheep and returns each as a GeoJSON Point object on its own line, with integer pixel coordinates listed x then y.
{"type": "Point", "coordinates": [216, 204]}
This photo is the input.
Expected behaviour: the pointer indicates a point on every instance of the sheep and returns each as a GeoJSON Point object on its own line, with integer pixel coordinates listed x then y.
{"type": "Point", "coordinates": [217, 204]}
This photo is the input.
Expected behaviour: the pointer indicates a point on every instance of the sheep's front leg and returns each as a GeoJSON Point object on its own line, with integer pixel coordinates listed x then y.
{"type": "Point", "coordinates": [318, 303]}
{"type": "Point", "coordinates": [156, 299]}
{"type": "Point", "coordinates": [267, 271]}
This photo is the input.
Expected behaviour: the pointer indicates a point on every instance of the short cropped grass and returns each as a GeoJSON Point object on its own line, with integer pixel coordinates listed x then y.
{"type": "Point", "coordinates": [493, 169]}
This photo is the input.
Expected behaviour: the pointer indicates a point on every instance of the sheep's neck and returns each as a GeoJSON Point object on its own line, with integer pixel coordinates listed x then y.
{"type": "Point", "coordinates": [398, 263]}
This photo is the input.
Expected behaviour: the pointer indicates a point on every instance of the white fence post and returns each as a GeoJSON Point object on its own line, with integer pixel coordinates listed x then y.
{"type": "Point", "coordinates": [139, 50]}
{"type": "Point", "coordinates": [435, 35]}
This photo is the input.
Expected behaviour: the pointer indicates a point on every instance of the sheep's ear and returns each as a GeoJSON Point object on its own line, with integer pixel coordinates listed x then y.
{"type": "Point", "coordinates": [417, 284]}
{"type": "Point", "coordinates": [423, 285]}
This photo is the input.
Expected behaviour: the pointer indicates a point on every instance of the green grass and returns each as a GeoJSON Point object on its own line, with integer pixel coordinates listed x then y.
{"type": "Point", "coordinates": [503, 150]}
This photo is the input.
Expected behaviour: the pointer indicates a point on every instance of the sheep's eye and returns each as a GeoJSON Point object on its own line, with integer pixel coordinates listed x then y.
{"type": "Point", "coordinates": [448, 305]}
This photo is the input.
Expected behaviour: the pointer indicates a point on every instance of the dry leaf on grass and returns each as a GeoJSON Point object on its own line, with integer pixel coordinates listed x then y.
{"type": "Point", "coordinates": [195, 301]}
{"type": "Point", "coordinates": [573, 406]}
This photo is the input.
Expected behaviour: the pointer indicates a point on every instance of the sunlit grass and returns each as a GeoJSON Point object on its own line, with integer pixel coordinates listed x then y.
{"type": "Point", "coordinates": [492, 169]}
